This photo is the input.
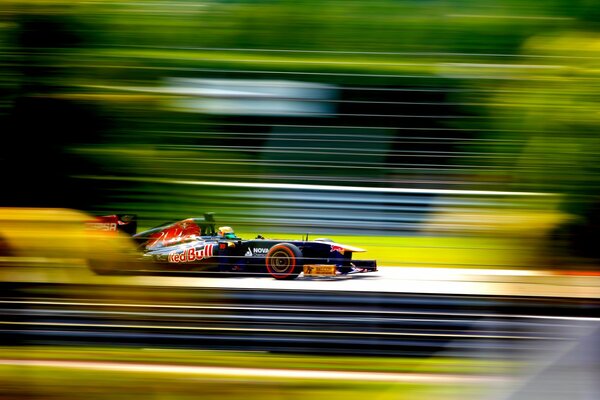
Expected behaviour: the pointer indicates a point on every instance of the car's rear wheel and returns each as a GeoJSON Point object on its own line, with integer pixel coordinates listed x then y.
{"type": "Point", "coordinates": [284, 261]}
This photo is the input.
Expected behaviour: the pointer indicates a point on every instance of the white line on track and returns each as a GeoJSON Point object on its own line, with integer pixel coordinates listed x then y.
{"type": "Point", "coordinates": [319, 310]}
{"type": "Point", "coordinates": [422, 280]}
{"type": "Point", "coordinates": [258, 372]}
{"type": "Point", "coordinates": [272, 330]}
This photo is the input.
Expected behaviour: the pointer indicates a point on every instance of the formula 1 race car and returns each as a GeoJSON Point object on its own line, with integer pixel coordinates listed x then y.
{"type": "Point", "coordinates": [197, 244]}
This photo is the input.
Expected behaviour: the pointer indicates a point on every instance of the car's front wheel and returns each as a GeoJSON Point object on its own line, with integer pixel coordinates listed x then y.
{"type": "Point", "coordinates": [284, 261]}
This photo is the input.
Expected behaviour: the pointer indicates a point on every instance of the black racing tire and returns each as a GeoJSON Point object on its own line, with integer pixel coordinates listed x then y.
{"type": "Point", "coordinates": [284, 261]}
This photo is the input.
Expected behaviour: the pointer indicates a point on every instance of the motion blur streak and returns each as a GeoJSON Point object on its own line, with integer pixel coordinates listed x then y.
{"type": "Point", "coordinates": [254, 372]}
{"type": "Point", "coordinates": [454, 141]}
{"type": "Point", "coordinates": [327, 323]}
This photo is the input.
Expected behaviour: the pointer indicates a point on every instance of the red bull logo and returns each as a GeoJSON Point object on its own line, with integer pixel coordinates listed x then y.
{"type": "Point", "coordinates": [339, 249]}
{"type": "Point", "coordinates": [192, 254]}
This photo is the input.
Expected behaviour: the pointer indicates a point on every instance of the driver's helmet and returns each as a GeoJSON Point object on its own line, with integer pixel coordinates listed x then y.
{"type": "Point", "coordinates": [226, 232]}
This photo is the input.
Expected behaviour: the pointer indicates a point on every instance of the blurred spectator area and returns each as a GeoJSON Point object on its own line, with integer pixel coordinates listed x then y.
{"type": "Point", "coordinates": [272, 154]}
{"type": "Point", "coordinates": [251, 97]}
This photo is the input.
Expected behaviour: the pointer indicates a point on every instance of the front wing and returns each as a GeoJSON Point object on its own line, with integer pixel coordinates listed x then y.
{"type": "Point", "coordinates": [356, 267]}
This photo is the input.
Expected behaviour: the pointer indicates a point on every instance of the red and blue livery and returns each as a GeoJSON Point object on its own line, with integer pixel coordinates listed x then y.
{"type": "Point", "coordinates": [198, 244]}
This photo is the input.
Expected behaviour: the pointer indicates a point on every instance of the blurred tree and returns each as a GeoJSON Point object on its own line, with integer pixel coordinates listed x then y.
{"type": "Point", "coordinates": [539, 109]}
{"type": "Point", "coordinates": [40, 126]}
{"type": "Point", "coordinates": [545, 124]}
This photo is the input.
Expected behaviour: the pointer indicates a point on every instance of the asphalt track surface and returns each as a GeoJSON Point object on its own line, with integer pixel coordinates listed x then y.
{"type": "Point", "coordinates": [401, 279]}
{"type": "Point", "coordinates": [399, 311]}
{"type": "Point", "coordinates": [396, 311]}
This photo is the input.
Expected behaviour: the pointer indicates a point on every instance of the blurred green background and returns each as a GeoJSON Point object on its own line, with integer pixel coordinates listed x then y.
{"type": "Point", "coordinates": [455, 118]}
{"type": "Point", "coordinates": [453, 133]}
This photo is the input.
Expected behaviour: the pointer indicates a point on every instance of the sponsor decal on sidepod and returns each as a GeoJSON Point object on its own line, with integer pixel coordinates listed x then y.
{"type": "Point", "coordinates": [192, 254]}
{"type": "Point", "coordinates": [339, 249]}
{"type": "Point", "coordinates": [257, 251]}
{"type": "Point", "coordinates": [102, 226]}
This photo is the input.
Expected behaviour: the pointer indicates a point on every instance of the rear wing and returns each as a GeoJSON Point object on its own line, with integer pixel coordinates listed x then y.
{"type": "Point", "coordinates": [126, 223]}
